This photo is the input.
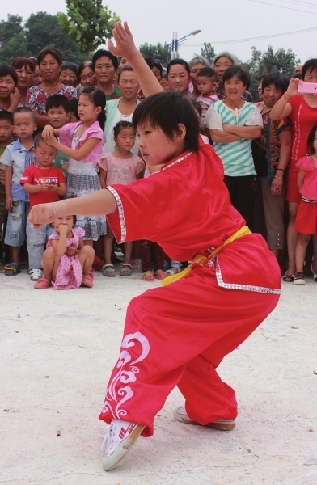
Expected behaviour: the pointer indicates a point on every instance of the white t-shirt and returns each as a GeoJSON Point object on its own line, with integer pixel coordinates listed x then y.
{"type": "Point", "coordinates": [236, 156]}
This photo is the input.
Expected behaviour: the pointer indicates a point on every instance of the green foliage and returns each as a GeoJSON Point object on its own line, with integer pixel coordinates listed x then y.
{"type": "Point", "coordinates": [160, 52]}
{"type": "Point", "coordinates": [264, 63]}
{"type": "Point", "coordinates": [208, 52]}
{"type": "Point", "coordinates": [40, 30]}
{"type": "Point", "coordinates": [88, 23]}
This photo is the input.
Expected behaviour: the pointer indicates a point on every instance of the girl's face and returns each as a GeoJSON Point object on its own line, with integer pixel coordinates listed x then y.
{"type": "Point", "coordinates": [311, 76]}
{"type": "Point", "coordinates": [65, 221]}
{"type": "Point", "coordinates": [221, 65]}
{"type": "Point", "coordinates": [87, 111]}
{"type": "Point", "coordinates": [49, 67]}
{"type": "Point", "coordinates": [87, 77]}
{"type": "Point", "coordinates": [156, 147]}
{"type": "Point", "coordinates": [25, 77]}
{"type": "Point", "coordinates": [125, 139]}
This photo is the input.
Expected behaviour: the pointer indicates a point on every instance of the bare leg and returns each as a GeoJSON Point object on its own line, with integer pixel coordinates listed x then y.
{"type": "Point", "coordinates": [300, 252]}
{"type": "Point", "coordinates": [292, 237]}
{"type": "Point", "coordinates": [86, 257]}
{"type": "Point", "coordinates": [314, 264]}
{"type": "Point", "coordinates": [14, 254]}
{"type": "Point", "coordinates": [48, 264]}
{"type": "Point", "coordinates": [128, 246]}
{"type": "Point", "coordinates": [108, 245]}
{"type": "Point", "coordinates": [275, 252]}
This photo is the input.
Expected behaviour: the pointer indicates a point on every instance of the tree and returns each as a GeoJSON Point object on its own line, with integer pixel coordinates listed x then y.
{"type": "Point", "coordinates": [282, 60]}
{"type": "Point", "coordinates": [12, 39]}
{"type": "Point", "coordinates": [160, 52]}
{"type": "Point", "coordinates": [208, 52]}
{"type": "Point", "coordinates": [42, 29]}
{"type": "Point", "coordinates": [88, 23]}
{"type": "Point", "coordinates": [10, 28]}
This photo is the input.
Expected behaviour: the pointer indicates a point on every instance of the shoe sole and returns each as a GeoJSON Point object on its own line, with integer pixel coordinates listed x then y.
{"type": "Point", "coordinates": [220, 425]}
{"type": "Point", "coordinates": [124, 447]}
{"type": "Point", "coordinates": [299, 282]}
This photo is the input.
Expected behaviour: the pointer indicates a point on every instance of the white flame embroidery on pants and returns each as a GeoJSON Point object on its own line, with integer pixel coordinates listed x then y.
{"type": "Point", "coordinates": [127, 370]}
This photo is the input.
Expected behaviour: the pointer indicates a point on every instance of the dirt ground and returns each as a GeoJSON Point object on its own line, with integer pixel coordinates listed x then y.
{"type": "Point", "coordinates": [57, 351]}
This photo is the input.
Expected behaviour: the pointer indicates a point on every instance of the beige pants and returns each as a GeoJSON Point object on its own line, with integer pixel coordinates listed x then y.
{"type": "Point", "coordinates": [273, 214]}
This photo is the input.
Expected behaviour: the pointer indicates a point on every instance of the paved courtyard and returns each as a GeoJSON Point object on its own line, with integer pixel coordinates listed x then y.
{"type": "Point", "coordinates": [57, 351]}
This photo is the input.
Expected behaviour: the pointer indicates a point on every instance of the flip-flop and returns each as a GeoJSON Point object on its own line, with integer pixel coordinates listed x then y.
{"type": "Point", "coordinates": [160, 274]}
{"type": "Point", "coordinates": [148, 276]}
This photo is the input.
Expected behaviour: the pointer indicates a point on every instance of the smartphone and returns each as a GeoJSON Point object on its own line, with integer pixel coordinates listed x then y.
{"type": "Point", "coordinates": [308, 88]}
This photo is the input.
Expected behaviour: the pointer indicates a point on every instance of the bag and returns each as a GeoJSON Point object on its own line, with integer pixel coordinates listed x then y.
{"type": "Point", "coordinates": [259, 159]}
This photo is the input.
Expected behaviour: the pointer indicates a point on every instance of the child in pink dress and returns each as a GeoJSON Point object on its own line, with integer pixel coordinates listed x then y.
{"type": "Point", "coordinates": [66, 261]}
{"type": "Point", "coordinates": [119, 167]}
{"type": "Point", "coordinates": [306, 219]}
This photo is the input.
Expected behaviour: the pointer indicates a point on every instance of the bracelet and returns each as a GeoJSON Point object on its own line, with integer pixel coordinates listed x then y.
{"type": "Point", "coordinates": [278, 178]}
{"type": "Point", "coordinates": [281, 169]}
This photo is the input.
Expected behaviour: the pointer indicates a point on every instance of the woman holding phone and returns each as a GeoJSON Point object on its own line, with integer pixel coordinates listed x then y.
{"type": "Point", "coordinates": [302, 109]}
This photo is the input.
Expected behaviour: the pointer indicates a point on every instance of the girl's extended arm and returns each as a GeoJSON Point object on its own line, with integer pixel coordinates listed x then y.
{"type": "Point", "coordinates": [249, 132]}
{"type": "Point", "coordinates": [98, 204]}
{"type": "Point", "coordinates": [81, 153]}
{"type": "Point", "coordinates": [300, 178]}
{"type": "Point", "coordinates": [125, 47]}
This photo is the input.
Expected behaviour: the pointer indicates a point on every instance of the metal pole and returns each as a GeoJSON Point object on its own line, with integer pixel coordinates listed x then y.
{"type": "Point", "coordinates": [174, 46]}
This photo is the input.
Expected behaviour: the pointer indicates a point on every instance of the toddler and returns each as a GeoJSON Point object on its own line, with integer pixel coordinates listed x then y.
{"type": "Point", "coordinates": [206, 83]}
{"type": "Point", "coordinates": [6, 130]}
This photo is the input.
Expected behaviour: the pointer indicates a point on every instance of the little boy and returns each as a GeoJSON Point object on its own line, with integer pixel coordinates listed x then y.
{"type": "Point", "coordinates": [9, 93]}
{"type": "Point", "coordinates": [44, 183]}
{"type": "Point", "coordinates": [6, 130]}
{"type": "Point", "coordinates": [17, 157]}
{"type": "Point", "coordinates": [58, 113]}
{"type": "Point", "coordinates": [206, 82]}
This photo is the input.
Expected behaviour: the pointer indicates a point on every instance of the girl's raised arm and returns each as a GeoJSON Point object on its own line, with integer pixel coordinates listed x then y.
{"type": "Point", "coordinates": [125, 47]}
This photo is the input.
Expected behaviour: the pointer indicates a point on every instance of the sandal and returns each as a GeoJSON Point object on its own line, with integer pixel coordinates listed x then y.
{"type": "Point", "coordinates": [160, 274]}
{"type": "Point", "coordinates": [108, 270]}
{"type": "Point", "coordinates": [126, 270]}
{"type": "Point", "coordinates": [148, 276]}
{"type": "Point", "coordinates": [87, 281]}
{"type": "Point", "coordinates": [42, 284]}
{"type": "Point", "coordinates": [172, 271]}
{"type": "Point", "coordinates": [289, 278]}
{"type": "Point", "coordinates": [12, 269]}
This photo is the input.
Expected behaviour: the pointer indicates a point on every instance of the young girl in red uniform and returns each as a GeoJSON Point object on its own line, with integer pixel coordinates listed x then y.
{"type": "Point", "coordinates": [178, 334]}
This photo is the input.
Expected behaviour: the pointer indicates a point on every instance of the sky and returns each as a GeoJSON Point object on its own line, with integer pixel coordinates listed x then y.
{"type": "Point", "coordinates": [155, 21]}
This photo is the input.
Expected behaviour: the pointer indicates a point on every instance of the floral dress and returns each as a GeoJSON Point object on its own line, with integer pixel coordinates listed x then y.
{"type": "Point", "coordinates": [36, 97]}
{"type": "Point", "coordinates": [69, 272]}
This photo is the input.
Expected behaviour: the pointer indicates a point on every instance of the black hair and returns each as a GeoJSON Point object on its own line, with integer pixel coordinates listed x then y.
{"type": "Point", "coordinates": [120, 126]}
{"type": "Point", "coordinates": [240, 72]}
{"type": "Point", "coordinates": [207, 72]}
{"type": "Point", "coordinates": [280, 81]}
{"type": "Point", "coordinates": [73, 107]}
{"type": "Point", "coordinates": [23, 109]}
{"type": "Point", "coordinates": [151, 62]}
{"type": "Point", "coordinates": [104, 53]}
{"type": "Point", "coordinates": [166, 110]}
{"type": "Point", "coordinates": [6, 70]}
{"type": "Point", "coordinates": [72, 66]}
{"type": "Point", "coordinates": [196, 105]}
{"type": "Point", "coordinates": [175, 62]}
{"type": "Point", "coordinates": [98, 98]}
{"type": "Point", "coordinates": [6, 116]}
{"type": "Point", "coordinates": [298, 75]}
{"type": "Point", "coordinates": [39, 139]}
{"type": "Point", "coordinates": [124, 68]}
{"type": "Point", "coordinates": [311, 138]}
{"type": "Point", "coordinates": [82, 66]}
{"type": "Point", "coordinates": [23, 62]}
{"type": "Point", "coordinates": [57, 101]}
{"type": "Point", "coordinates": [262, 76]}
{"type": "Point", "coordinates": [49, 50]}
{"type": "Point", "coordinates": [310, 65]}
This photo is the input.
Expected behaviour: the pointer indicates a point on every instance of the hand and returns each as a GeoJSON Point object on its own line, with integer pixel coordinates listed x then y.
{"type": "Point", "coordinates": [52, 187]}
{"type": "Point", "coordinates": [43, 214]}
{"type": "Point", "coordinates": [125, 46]}
{"type": "Point", "coordinates": [227, 128]}
{"type": "Point", "coordinates": [292, 89]}
{"type": "Point", "coordinates": [62, 228]}
{"type": "Point", "coordinates": [14, 99]}
{"type": "Point", "coordinates": [52, 141]}
{"type": "Point", "coordinates": [276, 186]}
{"type": "Point", "coordinates": [8, 202]}
{"type": "Point", "coordinates": [44, 187]}
{"type": "Point", "coordinates": [48, 132]}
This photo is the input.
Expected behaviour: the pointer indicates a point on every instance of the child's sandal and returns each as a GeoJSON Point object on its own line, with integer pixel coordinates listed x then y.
{"type": "Point", "coordinates": [12, 269]}
{"type": "Point", "coordinates": [160, 274]}
{"type": "Point", "coordinates": [108, 270]}
{"type": "Point", "coordinates": [289, 278]}
{"type": "Point", "coordinates": [171, 271]}
{"type": "Point", "coordinates": [42, 284]}
{"type": "Point", "coordinates": [126, 270]}
{"type": "Point", "coordinates": [87, 281]}
{"type": "Point", "coordinates": [148, 276]}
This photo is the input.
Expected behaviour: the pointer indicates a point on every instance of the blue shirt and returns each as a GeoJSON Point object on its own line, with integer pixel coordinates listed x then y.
{"type": "Point", "coordinates": [19, 158]}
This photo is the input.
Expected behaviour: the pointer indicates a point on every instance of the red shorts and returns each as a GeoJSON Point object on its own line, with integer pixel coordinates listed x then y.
{"type": "Point", "coordinates": [306, 219]}
{"type": "Point", "coordinates": [292, 192]}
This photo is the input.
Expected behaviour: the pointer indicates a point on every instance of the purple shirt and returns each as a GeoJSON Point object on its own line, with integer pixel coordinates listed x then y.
{"type": "Point", "coordinates": [67, 132]}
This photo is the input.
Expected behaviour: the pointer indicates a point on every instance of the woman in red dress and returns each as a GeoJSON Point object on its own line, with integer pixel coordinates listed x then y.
{"type": "Point", "coordinates": [177, 335]}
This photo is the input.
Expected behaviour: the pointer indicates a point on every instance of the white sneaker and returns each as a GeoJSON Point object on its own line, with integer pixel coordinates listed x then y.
{"type": "Point", "coordinates": [35, 274]}
{"type": "Point", "coordinates": [119, 438]}
{"type": "Point", "coordinates": [181, 415]}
